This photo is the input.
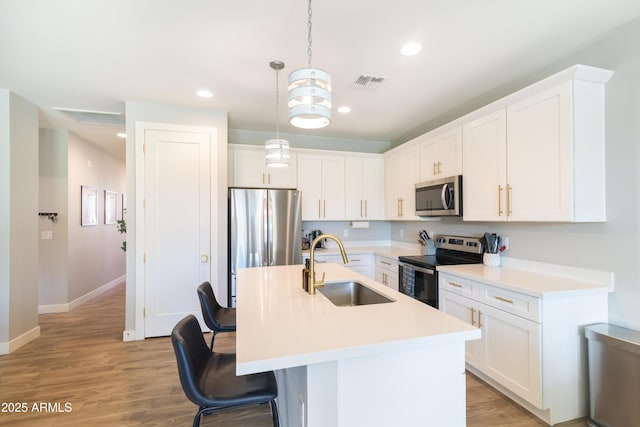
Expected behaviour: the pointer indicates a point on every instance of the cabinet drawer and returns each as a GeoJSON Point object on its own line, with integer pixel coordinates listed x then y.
{"type": "Point", "coordinates": [355, 260]}
{"type": "Point", "coordinates": [358, 259]}
{"type": "Point", "coordinates": [458, 285]}
{"type": "Point", "coordinates": [387, 264]}
{"type": "Point", "coordinates": [516, 303]}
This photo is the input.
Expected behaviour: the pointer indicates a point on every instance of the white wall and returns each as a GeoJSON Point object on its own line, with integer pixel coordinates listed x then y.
{"type": "Point", "coordinates": [184, 116]}
{"type": "Point", "coordinates": [610, 246]}
{"type": "Point", "coordinates": [18, 221]}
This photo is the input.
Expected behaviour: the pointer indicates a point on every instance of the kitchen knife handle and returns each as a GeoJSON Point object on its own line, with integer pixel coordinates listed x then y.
{"type": "Point", "coordinates": [509, 211]}
{"type": "Point", "coordinates": [499, 200]}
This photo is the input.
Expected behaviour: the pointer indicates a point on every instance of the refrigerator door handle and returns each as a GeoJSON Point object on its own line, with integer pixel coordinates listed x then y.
{"type": "Point", "coordinates": [266, 232]}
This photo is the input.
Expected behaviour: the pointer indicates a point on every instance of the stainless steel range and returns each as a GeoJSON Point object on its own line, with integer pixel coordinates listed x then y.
{"type": "Point", "coordinates": [418, 277]}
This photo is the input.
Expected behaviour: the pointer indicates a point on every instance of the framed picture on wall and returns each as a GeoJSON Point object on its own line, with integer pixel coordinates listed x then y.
{"type": "Point", "coordinates": [89, 206]}
{"type": "Point", "coordinates": [110, 207]}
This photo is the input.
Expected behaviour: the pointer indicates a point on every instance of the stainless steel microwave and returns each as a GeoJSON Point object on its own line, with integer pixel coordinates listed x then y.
{"type": "Point", "coordinates": [440, 197]}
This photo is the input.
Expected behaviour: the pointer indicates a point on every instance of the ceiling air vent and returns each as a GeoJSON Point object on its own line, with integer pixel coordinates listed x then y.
{"type": "Point", "coordinates": [366, 81]}
{"type": "Point", "coordinates": [93, 117]}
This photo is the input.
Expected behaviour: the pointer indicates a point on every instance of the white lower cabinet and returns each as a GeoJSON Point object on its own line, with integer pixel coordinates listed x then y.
{"type": "Point", "coordinates": [509, 350]}
{"type": "Point", "coordinates": [387, 272]}
{"type": "Point", "coordinates": [532, 348]}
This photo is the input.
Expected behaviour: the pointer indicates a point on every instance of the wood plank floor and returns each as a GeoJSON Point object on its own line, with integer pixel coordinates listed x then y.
{"type": "Point", "coordinates": [85, 375]}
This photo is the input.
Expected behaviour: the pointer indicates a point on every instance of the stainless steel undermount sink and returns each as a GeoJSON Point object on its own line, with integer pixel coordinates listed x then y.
{"type": "Point", "coordinates": [350, 293]}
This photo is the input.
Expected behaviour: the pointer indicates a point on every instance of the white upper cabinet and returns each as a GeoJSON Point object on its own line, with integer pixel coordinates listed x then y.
{"type": "Point", "coordinates": [484, 167]}
{"type": "Point", "coordinates": [249, 170]}
{"type": "Point", "coordinates": [401, 176]}
{"type": "Point", "coordinates": [441, 155]}
{"type": "Point", "coordinates": [364, 186]}
{"type": "Point", "coordinates": [321, 179]}
{"type": "Point", "coordinates": [540, 156]}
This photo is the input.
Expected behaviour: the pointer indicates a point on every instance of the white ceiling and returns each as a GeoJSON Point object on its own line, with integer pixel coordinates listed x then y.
{"type": "Point", "coordinates": [95, 55]}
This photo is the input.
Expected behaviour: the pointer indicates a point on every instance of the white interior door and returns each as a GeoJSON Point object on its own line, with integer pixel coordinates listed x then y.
{"type": "Point", "coordinates": [178, 220]}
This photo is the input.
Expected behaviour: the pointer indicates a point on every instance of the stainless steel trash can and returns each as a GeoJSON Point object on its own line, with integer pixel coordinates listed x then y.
{"type": "Point", "coordinates": [614, 375]}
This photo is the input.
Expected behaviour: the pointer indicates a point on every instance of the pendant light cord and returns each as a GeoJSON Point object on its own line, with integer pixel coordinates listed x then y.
{"type": "Point", "coordinates": [309, 37]}
{"type": "Point", "coordinates": [277, 106]}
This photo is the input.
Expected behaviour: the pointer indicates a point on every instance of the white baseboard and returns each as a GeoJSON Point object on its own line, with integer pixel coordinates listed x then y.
{"type": "Point", "coordinates": [131, 335]}
{"type": "Point", "coordinates": [62, 308]}
{"type": "Point", "coordinates": [16, 343]}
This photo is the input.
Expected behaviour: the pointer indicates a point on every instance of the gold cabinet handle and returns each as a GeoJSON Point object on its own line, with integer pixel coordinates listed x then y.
{"type": "Point", "coordinates": [499, 200]}
{"type": "Point", "coordinates": [480, 319]}
{"type": "Point", "coordinates": [400, 200]}
{"type": "Point", "coordinates": [269, 178]}
{"type": "Point", "coordinates": [360, 208]}
{"type": "Point", "coordinates": [509, 211]}
{"type": "Point", "coordinates": [386, 263]}
{"type": "Point", "coordinates": [434, 168]}
{"type": "Point", "coordinates": [319, 208]}
{"type": "Point", "coordinates": [455, 284]}
{"type": "Point", "coordinates": [366, 213]}
{"type": "Point", "coordinates": [510, 301]}
{"type": "Point", "coordinates": [473, 317]}
{"type": "Point", "coordinates": [324, 212]}
{"type": "Point", "coordinates": [439, 168]}
{"type": "Point", "coordinates": [262, 177]}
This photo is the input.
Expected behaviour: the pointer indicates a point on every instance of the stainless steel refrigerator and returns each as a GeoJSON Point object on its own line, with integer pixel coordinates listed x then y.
{"type": "Point", "coordinates": [265, 228]}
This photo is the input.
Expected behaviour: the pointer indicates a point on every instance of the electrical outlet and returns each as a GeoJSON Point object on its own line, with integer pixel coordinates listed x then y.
{"type": "Point", "coordinates": [345, 233]}
{"type": "Point", "coordinates": [402, 232]}
{"type": "Point", "coordinates": [46, 235]}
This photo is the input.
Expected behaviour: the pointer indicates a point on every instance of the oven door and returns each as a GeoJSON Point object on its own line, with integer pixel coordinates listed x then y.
{"type": "Point", "coordinates": [419, 283]}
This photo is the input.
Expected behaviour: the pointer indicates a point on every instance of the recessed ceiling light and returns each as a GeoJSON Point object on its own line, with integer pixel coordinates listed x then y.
{"type": "Point", "coordinates": [344, 109]}
{"type": "Point", "coordinates": [121, 135]}
{"type": "Point", "coordinates": [203, 93]}
{"type": "Point", "coordinates": [411, 49]}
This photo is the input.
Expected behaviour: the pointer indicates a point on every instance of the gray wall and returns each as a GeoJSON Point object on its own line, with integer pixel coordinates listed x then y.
{"type": "Point", "coordinates": [95, 257]}
{"type": "Point", "coordinates": [610, 246]}
{"type": "Point", "coordinates": [18, 217]}
{"type": "Point", "coordinates": [53, 266]}
{"type": "Point", "coordinates": [237, 136]}
{"type": "Point", "coordinates": [378, 230]}
{"type": "Point", "coordinates": [79, 259]}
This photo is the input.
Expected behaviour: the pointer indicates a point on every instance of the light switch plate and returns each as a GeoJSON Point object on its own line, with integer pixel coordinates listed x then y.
{"type": "Point", "coordinates": [46, 235]}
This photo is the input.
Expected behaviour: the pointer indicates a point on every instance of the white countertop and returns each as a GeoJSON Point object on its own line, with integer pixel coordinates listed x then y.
{"type": "Point", "coordinates": [280, 326]}
{"type": "Point", "coordinates": [535, 283]}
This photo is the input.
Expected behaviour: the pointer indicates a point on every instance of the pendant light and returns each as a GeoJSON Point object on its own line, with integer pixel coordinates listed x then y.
{"type": "Point", "coordinates": [277, 150]}
{"type": "Point", "coordinates": [309, 93]}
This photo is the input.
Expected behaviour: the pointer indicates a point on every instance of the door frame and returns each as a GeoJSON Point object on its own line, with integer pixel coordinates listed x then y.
{"type": "Point", "coordinates": [217, 262]}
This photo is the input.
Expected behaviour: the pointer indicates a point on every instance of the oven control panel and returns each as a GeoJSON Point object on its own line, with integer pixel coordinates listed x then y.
{"type": "Point", "coordinates": [459, 243]}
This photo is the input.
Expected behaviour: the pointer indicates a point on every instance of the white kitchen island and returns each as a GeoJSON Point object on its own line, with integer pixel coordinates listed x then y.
{"type": "Point", "coordinates": [398, 363]}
